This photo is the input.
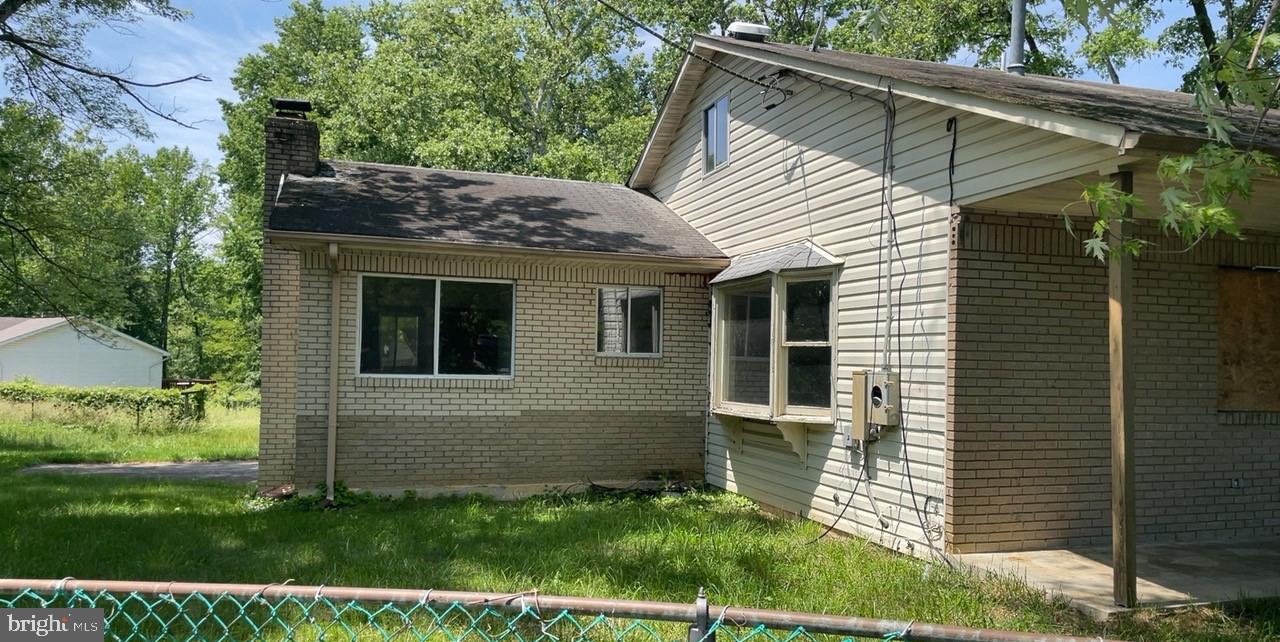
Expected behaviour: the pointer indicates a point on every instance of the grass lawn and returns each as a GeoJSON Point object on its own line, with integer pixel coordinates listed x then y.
{"type": "Point", "coordinates": [632, 547]}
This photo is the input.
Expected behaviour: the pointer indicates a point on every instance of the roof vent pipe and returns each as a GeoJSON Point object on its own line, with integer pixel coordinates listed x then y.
{"type": "Point", "coordinates": [1015, 58]}
{"type": "Point", "coordinates": [749, 31]}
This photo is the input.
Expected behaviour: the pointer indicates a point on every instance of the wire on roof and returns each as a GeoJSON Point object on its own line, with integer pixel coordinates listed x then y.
{"type": "Point", "coordinates": [688, 50]}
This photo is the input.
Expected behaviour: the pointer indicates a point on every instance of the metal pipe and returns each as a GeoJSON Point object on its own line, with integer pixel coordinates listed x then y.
{"type": "Point", "coordinates": [331, 429]}
{"type": "Point", "coordinates": [1017, 39]}
{"type": "Point", "coordinates": [638, 609]}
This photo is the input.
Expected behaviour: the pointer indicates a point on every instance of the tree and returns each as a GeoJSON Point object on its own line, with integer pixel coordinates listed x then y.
{"type": "Point", "coordinates": [124, 226]}
{"type": "Point", "coordinates": [61, 217]}
{"type": "Point", "coordinates": [176, 208]}
{"type": "Point", "coordinates": [45, 61]}
{"type": "Point", "coordinates": [1237, 70]}
{"type": "Point", "coordinates": [526, 87]}
{"type": "Point", "coordinates": [51, 75]}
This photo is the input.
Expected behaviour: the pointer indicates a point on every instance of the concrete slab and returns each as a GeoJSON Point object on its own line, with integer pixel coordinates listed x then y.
{"type": "Point", "coordinates": [1169, 575]}
{"type": "Point", "coordinates": [243, 471]}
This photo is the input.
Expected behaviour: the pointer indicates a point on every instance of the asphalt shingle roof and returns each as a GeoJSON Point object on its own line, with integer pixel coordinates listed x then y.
{"type": "Point", "coordinates": [792, 256]}
{"type": "Point", "coordinates": [1146, 111]}
{"type": "Point", "coordinates": [391, 201]}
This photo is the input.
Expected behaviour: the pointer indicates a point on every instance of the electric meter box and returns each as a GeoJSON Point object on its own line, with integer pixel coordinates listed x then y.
{"type": "Point", "coordinates": [875, 403]}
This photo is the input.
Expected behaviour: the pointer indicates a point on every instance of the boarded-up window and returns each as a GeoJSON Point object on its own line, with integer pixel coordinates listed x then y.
{"type": "Point", "coordinates": [1248, 340]}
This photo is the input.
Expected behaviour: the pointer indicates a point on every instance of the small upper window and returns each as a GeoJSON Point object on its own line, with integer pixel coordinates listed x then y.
{"type": "Point", "coordinates": [715, 134]}
{"type": "Point", "coordinates": [629, 321]}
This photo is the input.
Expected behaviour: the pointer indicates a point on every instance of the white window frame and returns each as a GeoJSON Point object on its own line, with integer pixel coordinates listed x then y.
{"type": "Point", "coordinates": [776, 409]}
{"type": "Point", "coordinates": [662, 322]}
{"type": "Point", "coordinates": [706, 135]}
{"type": "Point", "coordinates": [435, 347]}
{"type": "Point", "coordinates": [783, 348]}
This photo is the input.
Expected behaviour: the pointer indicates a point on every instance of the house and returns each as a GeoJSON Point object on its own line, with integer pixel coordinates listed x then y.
{"type": "Point", "coordinates": [905, 340]}
{"type": "Point", "coordinates": [61, 351]}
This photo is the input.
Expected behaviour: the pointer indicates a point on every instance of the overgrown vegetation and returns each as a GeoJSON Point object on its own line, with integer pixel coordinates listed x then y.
{"type": "Point", "coordinates": [60, 434]}
{"type": "Point", "coordinates": [163, 409]}
{"type": "Point", "coordinates": [631, 545]}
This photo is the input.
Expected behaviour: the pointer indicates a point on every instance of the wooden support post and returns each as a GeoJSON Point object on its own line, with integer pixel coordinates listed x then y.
{"type": "Point", "coordinates": [1124, 548]}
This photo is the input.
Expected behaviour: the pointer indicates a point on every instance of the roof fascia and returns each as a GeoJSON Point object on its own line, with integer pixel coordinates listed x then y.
{"type": "Point", "coordinates": [1092, 130]}
{"type": "Point", "coordinates": [672, 263]}
{"type": "Point", "coordinates": [33, 331]}
{"type": "Point", "coordinates": [128, 339]}
{"type": "Point", "coordinates": [646, 155]}
{"type": "Point", "coordinates": [100, 328]}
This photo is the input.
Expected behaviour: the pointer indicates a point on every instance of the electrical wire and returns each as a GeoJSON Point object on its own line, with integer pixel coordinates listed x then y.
{"type": "Point", "coordinates": [862, 473]}
{"type": "Point", "coordinates": [906, 456]}
{"type": "Point", "coordinates": [671, 43]}
{"type": "Point", "coordinates": [886, 212]}
{"type": "Point", "coordinates": [953, 128]}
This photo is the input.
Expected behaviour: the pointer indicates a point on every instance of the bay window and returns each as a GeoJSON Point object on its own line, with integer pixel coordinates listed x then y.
{"type": "Point", "coordinates": [413, 326]}
{"type": "Point", "coordinates": [772, 340]}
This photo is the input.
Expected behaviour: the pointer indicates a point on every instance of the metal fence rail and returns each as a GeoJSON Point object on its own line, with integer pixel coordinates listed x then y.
{"type": "Point", "coordinates": [180, 611]}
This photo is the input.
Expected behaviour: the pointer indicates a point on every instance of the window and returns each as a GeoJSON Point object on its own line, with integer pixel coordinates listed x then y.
{"type": "Point", "coordinates": [807, 343]}
{"type": "Point", "coordinates": [746, 365]}
{"type": "Point", "coordinates": [629, 321]}
{"type": "Point", "coordinates": [424, 327]}
{"type": "Point", "coordinates": [1248, 340]}
{"type": "Point", "coordinates": [773, 347]}
{"type": "Point", "coordinates": [715, 134]}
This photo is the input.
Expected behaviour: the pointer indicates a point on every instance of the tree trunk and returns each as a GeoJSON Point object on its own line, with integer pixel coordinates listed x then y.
{"type": "Point", "coordinates": [1210, 40]}
{"type": "Point", "coordinates": [166, 297]}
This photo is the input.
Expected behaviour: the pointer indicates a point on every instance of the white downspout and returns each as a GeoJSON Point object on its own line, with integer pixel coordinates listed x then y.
{"type": "Point", "coordinates": [335, 318]}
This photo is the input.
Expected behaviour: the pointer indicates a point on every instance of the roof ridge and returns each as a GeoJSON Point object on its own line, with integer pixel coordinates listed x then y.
{"type": "Point", "coordinates": [469, 171]}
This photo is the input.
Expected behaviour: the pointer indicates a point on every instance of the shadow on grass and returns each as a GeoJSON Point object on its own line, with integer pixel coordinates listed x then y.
{"type": "Point", "coordinates": [54, 526]}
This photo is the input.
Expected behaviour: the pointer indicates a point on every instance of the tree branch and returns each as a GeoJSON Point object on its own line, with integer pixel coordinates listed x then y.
{"type": "Point", "coordinates": [127, 86]}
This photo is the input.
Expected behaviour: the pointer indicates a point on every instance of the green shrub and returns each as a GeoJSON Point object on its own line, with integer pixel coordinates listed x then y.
{"type": "Point", "coordinates": [177, 406]}
{"type": "Point", "coordinates": [234, 397]}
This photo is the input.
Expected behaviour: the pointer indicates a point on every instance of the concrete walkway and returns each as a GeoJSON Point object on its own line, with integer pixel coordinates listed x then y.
{"type": "Point", "coordinates": [1168, 574]}
{"type": "Point", "coordinates": [231, 472]}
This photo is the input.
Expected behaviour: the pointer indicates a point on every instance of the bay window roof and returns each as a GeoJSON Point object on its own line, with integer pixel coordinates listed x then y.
{"type": "Point", "coordinates": [800, 255]}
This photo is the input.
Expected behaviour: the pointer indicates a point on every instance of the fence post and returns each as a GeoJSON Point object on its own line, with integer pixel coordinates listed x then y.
{"type": "Point", "coordinates": [701, 620]}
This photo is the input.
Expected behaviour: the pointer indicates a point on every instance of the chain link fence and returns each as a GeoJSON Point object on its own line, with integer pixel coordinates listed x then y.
{"type": "Point", "coordinates": [151, 611]}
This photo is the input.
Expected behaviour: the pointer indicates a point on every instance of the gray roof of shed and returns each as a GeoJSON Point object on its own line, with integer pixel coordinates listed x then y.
{"type": "Point", "coordinates": [475, 208]}
{"type": "Point", "coordinates": [1146, 111]}
{"type": "Point", "coordinates": [792, 256]}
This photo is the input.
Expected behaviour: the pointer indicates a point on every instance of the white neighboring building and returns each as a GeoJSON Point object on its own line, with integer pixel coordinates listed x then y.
{"type": "Point", "coordinates": [52, 351]}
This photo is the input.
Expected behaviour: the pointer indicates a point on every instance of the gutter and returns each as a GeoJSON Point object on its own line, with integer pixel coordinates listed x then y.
{"type": "Point", "coordinates": [358, 241]}
{"type": "Point", "coordinates": [335, 318]}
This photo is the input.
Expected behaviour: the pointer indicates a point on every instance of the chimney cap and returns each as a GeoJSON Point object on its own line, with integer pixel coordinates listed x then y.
{"type": "Point", "coordinates": [291, 107]}
{"type": "Point", "coordinates": [749, 31]}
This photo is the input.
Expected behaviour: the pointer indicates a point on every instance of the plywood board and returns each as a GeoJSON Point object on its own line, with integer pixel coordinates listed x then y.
{"type": "Point", "coordinates": [1248, 340]}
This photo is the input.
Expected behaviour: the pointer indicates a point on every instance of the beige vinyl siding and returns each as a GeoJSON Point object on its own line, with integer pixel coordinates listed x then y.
{"type": "Point", "coordinates": [811, 168]}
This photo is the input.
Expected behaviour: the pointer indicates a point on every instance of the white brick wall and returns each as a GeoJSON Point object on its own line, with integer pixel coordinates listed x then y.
{"type": "Point", "coordinates": [567, 415]}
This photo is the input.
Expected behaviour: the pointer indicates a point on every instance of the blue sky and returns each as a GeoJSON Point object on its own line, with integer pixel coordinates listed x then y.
{"type": "Point", "coordinates": [220, 32]}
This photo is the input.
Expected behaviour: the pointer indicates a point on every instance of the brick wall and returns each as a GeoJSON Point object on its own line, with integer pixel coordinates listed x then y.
{"type": "Point", "coordinates": [1028, 437]}
{"type": "Point", "coordinates": [276, 436]}
{"type": "Point", "coordinates": [566, 416]}
{"type": "Point", "coordinates": [292, 147]}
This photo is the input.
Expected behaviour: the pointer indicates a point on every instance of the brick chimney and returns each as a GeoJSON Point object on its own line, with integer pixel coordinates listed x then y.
{"type": "Point", "coordinates": [293, 147]}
